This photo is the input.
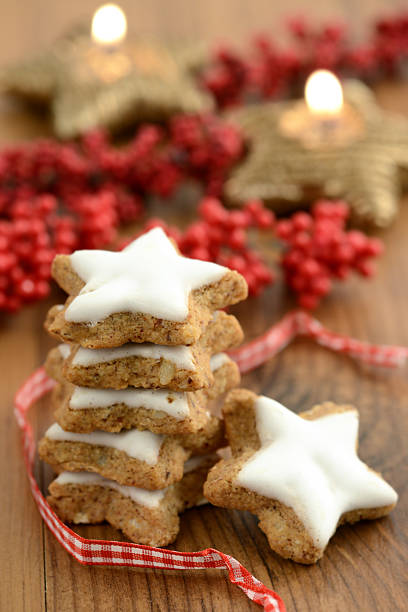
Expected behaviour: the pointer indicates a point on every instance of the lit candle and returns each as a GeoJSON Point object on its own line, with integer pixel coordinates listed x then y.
{"type": "Point", "coordinates": [109, 26]}
{"type": "Point", "coordinates": [323, 119]}
{"type": "Point", "coordinates": [108, 57]}
{"type": "Point", "coordinates": [324, 94]}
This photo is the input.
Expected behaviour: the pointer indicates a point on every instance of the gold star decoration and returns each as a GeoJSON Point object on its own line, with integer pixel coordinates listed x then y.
{"type": "Point", "coordinates": [367, 171]}
{"type": "Point", "coordinates": [87, 86]}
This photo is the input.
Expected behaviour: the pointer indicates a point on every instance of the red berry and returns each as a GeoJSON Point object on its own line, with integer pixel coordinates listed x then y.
{"type": "Point", "coordinates": [373, 247]}
{"type": "Point", "coordinates": [46, 204]}
{"type": "Point", "coordinates": [302, 240]}
{"type": "Point", "coordinates": [292, 259]}
{"type": "Point", "coordinates": [43, 271]}
{"type": "Point", "coordinates": [238, 219]}
{"type": "Point", "coordinates": [265, 219]}
{"type": "Point", "coordinates": [320, 286]}
{"type": "Point", "coordinates": [309, 301]}
{"type": "Point", "coordinates": [365, 268]}
{"type": "Point", "coordinates": [254, 207]}
{"type": "Point", "coordinates": [344, 253]}
{"type": "Point", "coordinates": [25, 288]}
{"type": "Point", "coordinates": [237, 239]}
{"type": "Point", "coordinates": [212, 210]}
{"type": "Point", "coordinates": [301, 221]}
{"type": "Point", "coordinates": [197, 234]}
{"type": "Point", "coordinates": [237, 262]}
{"type": "Point", "coordinates": [357, 240]}
{"type": "Point", "coordinates": [284, 229]}
{"type": "Point", "coordinates": [200, 253]}
{"type": "Point", "coordinates": [42, 289]}
{"type": "Point", "coordinates": [309, 267]}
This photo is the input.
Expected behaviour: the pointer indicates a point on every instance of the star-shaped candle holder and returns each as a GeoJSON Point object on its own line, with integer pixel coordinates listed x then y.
{"type": "Point", "coordinates": [299, 474]}
{"type": "Point", "coordinates": [291, 162]}
{"type": "Point", "coordinates": [90, 85]}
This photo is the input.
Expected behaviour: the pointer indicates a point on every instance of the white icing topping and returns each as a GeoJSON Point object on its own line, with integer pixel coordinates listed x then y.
{"type": "Point", "coordinates": [312, 467]}
{"type": "Point", "coordinates": [180, 355]}
{"type": "Point", "coordinates": [142, 445]}
{"type": "Point", "coordinates": [173, 403]}
{"type": "Point", "coordinates": [151, 499]}
{"type": "Point", "coordinates": [148, 276]}
{"type": "Point", "coordinates": [64, 350]}
{"type": "Point", "coordinates": [218, 360]}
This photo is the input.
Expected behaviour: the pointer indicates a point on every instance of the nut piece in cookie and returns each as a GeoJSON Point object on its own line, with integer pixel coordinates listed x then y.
{"type": "Point", "coordinates": [299, 474]}
{"type": "Point", "coordinates": [146, 517]}
{"type": "Point", "coordinates": [146, 293]}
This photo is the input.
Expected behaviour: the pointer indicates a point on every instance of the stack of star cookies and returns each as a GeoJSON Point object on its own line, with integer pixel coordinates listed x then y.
{"type": "Point", "coordinates": [138, 375]}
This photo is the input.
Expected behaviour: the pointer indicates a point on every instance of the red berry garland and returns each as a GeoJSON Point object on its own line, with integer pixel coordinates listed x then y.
{"type": "Point", "coordinates": [320, 249]}
{"type": "Point", "coordinates": [58, 197]}
{"type": "Point", "coordinates": [55, 198]}
{"type": "Point", "coordinates": [269, 70]}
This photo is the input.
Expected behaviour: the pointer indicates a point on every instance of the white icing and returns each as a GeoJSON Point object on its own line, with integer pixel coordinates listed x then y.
{"type": "Point", "coordinates": [64, 350]}
{"type": "Point", "coordinates": [148, 276]}
{"type": "Point", "coordinates": [180, 355]}
{"type": "Point", "coordinates": [173, 403]}
{"type": "Point", "coordinates": [142, 445]}
{"type": "Point", "coordinates": [59, 306]}
{"type": "Point", "coordinates": [218, 360]}
{"type": "Point", "coordinates": [312, 467]}
{"type": "Point", "coordinates": [151, 499]}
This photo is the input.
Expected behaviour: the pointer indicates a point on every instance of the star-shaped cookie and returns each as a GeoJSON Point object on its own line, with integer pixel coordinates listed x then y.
{"type": "Point", "coordinates": [300, 474]}
{"type": "Point", "coordinates": [146, 293]}
{"type": "Point", "coordinates": [87, 86]}
{"type": "Point", "coordinates": [367, 172]}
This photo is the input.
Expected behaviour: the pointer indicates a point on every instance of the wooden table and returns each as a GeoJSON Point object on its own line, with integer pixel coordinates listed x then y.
{"type": "Point", "coordinates": [364, 567]}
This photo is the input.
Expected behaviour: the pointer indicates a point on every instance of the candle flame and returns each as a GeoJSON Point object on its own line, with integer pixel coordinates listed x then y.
{"type": "Point", "coordinates": [323, 93]}
{"type": "Point", "coordinates": [109, 25]}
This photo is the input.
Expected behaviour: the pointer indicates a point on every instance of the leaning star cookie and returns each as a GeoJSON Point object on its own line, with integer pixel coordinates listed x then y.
{"type": "Point", "coordinates": [134, 458]}
{"type": "Point", "coordinates": [300, 474]}
{"type": "Point", "coordinates": [180, 368]}
{"type": "Point", "coordinates": [146, 293]}
{"type": "Point", "coordinates": [146, 517]}
{"type": "Point", "coordinates": [84, 409]}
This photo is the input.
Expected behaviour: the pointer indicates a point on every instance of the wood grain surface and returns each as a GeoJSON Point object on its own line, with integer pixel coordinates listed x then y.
{"type": "Point", "coordinates": [365, 566]}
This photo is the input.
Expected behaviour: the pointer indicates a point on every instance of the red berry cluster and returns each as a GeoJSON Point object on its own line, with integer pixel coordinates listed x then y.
{"type": "Point", "coordinates": [57, 197]}
{"type": "Point", "coordinates": [321, 249]}
{"type": "Point", "coordinates": [270, 70]}
{"type": "Point", "coordinates": [210, 147]}
{"type": "Point", "coordinates": [221, 236]}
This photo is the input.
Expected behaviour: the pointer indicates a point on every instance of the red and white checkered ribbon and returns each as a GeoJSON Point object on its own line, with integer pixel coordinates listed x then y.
{"type": "Point", "coordinates": [300, 323]}
{"type": "Point", "coordinates": [248, 357]}
{"type": "Point", "coordinates": [101, 552]}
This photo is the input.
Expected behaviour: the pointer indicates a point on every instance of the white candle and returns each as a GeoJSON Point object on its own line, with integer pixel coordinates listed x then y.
{"type": "Point", "coordinates": [109, 26]}
{"type": "Point", "coordinates": [324, 94]}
